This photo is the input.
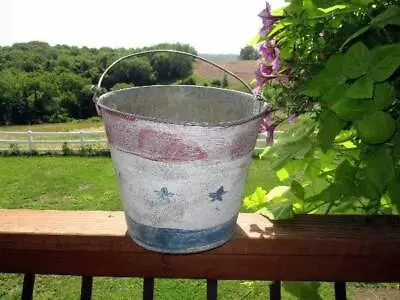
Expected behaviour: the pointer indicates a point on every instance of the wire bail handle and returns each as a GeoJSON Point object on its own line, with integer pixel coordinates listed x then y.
{"type": "Point", "coordinates": [97, 88]}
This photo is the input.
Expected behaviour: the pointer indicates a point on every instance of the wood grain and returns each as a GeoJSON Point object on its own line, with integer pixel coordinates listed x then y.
{"type": "Point", "coordinates": [328, 248]}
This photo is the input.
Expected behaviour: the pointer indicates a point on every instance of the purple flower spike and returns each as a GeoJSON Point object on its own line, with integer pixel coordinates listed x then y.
{"type": "Point", "coordinates": [269, 50]}
{"type": "Point", "coordinates": [267, 19]}
{"type": "Point", "coordinates": [267, 129]}
{"type": "Point", "coordinates": [261, 73]}
{"type": "Point", "coordinates": [276, 65]}
{"type": "Point", "coordinates": [270, 135]}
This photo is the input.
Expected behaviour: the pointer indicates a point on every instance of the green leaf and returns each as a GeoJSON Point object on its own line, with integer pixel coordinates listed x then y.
{"type": "Point", "coordinates": [380, 52]}
{"type": "Point", "coordinates": [278, 209]}
{"type": "Point", "coordinates": [380, 168]}
{"type": "Point", "coordinates": [384, 68]}
{"type": "Point", "coordinates": [361, 2]}
{"type": "Point", "coordinates": [316, 86]}
{"type": "Point", "coordinates": [303, 290]}
{"type": "Point", "coordinates": [376, 128]}
{"type": "Point", "coordinates": [286, 52]}
{"type": "Point", "coordinates": [336, 64]}
{"type": "Point", "coordinates": [278, 206]}
{"type": "Point", "coordinates": [282, 174]}
{"type": "Point", "coordinates": [334, 94]}
{"type": "Point", "coordinates": [352, 109]}
{"type": "Point", "coordinates": [332, 8]}
{"type": "Point", "coordinates": [292, 143]}
{"type": "Point", "coordinates": [390, 16]}
{"type": "Point", "coordinates": [277, 192]}
{"type": "Point", "coordinates": [394, 193]}
{"type": "Point", "coordinates": [256, 200]}
{"type": "Point", "coordinates": [313, 170]}
{"type": "Point", "coordinates": [396, 145]}
{"type": "Point", "coordinates": [330, 126]}
{"type": "Point", "coordinates": [297, 189]}
{"type": "Point", "coordinates": [357, 60]}
{"type": "Point", "coordinates": [384, 95]}
{"type": "Point", "coordinates": [345, 173]}
{"type": "Point", "coordinates": [355, 35]}
{"type": "Point", "coordinates": [368, 189]}
{"type": "Point", "coordinates": [361, 88]}
{"type": "Point", "coordinates": [324, 80]}
{"type": "Point", "coordinates": [254, 40]}
{"type": "Point", "coordinates": [311, 9]}
{"type": "Point", "coordinates": [331, 193]}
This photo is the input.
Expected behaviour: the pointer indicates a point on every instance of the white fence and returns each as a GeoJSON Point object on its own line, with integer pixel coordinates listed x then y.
{"type": "Point", "coordinates": [31, 139]}
{"type": "Point", "coordinates": [80, 139]}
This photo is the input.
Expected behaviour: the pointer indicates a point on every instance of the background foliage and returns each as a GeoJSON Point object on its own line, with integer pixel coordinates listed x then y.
{"type": "Point", "coordinates": [339, 74]}
{"type": "Point", "coordinates": [40, 83]}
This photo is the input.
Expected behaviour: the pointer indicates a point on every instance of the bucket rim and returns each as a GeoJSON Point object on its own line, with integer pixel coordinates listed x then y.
{"type": "Point", "coordinates": [262, 110]}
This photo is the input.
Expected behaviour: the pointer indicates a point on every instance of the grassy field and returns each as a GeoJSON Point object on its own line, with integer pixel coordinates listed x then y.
{"type": "Point", "coordinates": [89, 184]}
{"type": "Point", "coordinates": [76, 125]}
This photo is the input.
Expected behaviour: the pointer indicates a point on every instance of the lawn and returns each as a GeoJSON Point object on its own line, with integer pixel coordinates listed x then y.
{"type": "Point", "coordinates": [83, 183]}
{"type": "Point", "coordinates": [94, 123]}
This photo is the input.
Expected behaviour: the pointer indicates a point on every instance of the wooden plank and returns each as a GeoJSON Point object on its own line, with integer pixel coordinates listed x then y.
{"type": "Point", "coordinates": [340, 248]}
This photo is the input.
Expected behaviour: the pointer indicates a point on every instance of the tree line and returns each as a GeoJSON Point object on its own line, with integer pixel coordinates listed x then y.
{"type": "Point", "coordinates": [40, 83]}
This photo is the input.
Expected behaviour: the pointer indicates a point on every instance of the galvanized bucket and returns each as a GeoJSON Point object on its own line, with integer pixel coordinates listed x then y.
{"type": "Point", "coordinates": [181, 155]}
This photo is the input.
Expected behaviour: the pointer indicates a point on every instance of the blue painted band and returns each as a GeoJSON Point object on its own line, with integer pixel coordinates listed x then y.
{"type": "Point", "coordinates": [172, 240]}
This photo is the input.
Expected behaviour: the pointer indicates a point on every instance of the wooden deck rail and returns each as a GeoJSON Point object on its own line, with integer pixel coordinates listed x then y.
{"type": "Point", "coordinates": [95, 243]}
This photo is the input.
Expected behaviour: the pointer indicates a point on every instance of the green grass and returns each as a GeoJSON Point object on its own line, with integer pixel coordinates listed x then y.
{"type": "Point", "coordinates": [81, 183]}
{"type": "Point", "coordinates": [76, 125]}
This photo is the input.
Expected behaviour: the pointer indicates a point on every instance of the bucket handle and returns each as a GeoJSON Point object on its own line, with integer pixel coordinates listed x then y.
{"type": "Point", "coordinates": [97, 88]}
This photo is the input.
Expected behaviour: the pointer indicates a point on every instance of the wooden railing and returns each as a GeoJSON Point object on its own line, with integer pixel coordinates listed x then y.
{"type": "Point", "coordinates": [309, 248]}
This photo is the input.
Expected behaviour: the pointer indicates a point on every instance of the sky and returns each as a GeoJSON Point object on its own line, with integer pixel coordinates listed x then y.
{"type": "Point", "coordinates": [211, 26]}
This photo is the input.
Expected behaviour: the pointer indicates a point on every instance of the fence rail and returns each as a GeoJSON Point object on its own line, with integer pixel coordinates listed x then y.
{"type": "Point", "coordinates": [83, 140]}
{"type": "Point", "coordinates": [308, 248]}
{"type": "Point", "coordinates": [39, 138]}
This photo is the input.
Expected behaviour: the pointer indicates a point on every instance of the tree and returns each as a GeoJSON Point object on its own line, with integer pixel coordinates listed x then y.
{"type": "Point", "coordinates": [41, 83]}
{"type": "Point", "coordinates": [248, 53]}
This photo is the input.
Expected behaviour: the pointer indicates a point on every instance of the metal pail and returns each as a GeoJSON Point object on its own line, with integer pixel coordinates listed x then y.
{"type": "Point", "coordinates": [181, 156]}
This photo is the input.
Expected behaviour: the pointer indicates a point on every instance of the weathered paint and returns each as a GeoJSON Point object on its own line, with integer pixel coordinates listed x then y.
{"type": "Point", "coordinates": [181, 184]}
{"type": "Point", "coordinates": [173, 240]}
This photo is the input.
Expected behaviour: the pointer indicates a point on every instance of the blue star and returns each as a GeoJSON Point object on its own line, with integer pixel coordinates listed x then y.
{"type": "Point", "coordinates": [163, 194]}
{"type": "Point", "coordinates": [217, 195]}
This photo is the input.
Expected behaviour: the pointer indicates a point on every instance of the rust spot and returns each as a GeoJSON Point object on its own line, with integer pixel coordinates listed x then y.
{"type": "Point", "coordinates": [167, 147]}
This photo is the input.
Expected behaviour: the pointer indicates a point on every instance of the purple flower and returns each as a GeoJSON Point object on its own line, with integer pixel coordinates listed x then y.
{"type": "Point", "coordinates": [267, 129]}
{"type": "Point", "coordinates": [270, 52]}
{"type": "Point", "coordinates": [322, 33]}
{"type": "Point", "coordinates": [261, 73]}
{"type": "Point", "coordinates": [267, 19]}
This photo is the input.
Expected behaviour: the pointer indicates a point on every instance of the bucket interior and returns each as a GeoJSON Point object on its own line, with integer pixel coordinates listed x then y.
{"type": "Point", "coordinates": [183, 104]}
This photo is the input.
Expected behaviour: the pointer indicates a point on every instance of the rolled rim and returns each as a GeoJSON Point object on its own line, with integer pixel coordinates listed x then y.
{"type": "Point", "coordinates": [262, 111]}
